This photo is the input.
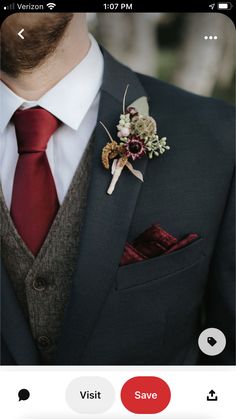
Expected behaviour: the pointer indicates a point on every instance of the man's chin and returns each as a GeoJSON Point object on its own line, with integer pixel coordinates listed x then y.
{"type": "Point", "coordinates": [17, 56]}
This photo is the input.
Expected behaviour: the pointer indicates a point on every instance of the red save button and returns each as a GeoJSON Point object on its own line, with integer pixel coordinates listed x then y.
{"type": "Point", "coordinates": [145, 395]}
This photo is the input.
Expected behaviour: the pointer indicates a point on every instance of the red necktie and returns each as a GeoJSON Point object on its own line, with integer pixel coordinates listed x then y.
{"type": "Point", "coordinates": [34, 197]}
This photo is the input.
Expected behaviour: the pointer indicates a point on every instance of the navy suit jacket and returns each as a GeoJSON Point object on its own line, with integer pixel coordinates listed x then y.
{"type": "Point", "coordinates": [150, 312]}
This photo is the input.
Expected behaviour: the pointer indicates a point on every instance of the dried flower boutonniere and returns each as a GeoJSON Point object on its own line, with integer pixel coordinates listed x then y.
{"type": "Point", "coordinates": [138, 137]}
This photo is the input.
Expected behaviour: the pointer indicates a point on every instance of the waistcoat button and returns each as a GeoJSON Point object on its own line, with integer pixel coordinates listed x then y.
{"type": "Point", "coordinates": [39, 284]}
{"type": "Point", "coordinates": [44, 342]}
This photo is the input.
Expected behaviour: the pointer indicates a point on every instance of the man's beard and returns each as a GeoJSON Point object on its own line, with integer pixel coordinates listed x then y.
{"type": "Point", "coordinates": [42, 35]}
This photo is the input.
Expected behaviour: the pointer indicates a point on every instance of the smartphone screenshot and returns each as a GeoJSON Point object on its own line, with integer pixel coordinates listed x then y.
{"type": "Point", "coordinates": [117, 210]}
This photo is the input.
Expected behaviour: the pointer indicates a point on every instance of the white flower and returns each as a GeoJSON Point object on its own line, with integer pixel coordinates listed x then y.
{"type": "Point", "coordinates": [125, 132]}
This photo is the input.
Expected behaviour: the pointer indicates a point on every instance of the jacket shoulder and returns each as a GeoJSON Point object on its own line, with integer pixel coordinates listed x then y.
{"type": "Point", "coordinates": [177, 98]}
{"type": "Point", "coordinates": [213, 119]}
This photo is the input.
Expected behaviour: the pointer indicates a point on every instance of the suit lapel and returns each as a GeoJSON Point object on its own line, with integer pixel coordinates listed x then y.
{"type": "Point", "coordinates": [14, 328]}
{"type": "Point", "coordinates": [106, 222]}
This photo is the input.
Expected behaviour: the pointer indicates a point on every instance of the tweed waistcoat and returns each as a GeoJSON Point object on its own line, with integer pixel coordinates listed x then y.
{"type": "Point", "coordinates": [42, 283]}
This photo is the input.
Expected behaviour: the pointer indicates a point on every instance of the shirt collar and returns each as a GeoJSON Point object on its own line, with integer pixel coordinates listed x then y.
{"type": "Point", "coordinates": [70, 99]}
{"type": "Point", "coordinates": [10, 102]}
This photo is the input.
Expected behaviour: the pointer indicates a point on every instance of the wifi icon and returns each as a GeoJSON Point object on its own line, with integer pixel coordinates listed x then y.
{"type": "Point", "coordinates": [51, 5]}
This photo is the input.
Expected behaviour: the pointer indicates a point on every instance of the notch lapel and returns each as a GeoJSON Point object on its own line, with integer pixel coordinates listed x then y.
{"type": "Point", "coordinates": [107, 221]}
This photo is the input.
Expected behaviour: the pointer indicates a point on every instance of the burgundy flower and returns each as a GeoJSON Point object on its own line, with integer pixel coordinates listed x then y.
{"type": "Point", "coordinates": [134, 148]}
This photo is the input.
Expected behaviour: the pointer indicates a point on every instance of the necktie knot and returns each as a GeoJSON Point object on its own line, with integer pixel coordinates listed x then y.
{"type": "Point", "coordinates": [34, 127]}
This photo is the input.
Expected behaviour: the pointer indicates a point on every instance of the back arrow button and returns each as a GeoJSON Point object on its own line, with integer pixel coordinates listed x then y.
{"type": "Point", "coordinates": [20, 34]}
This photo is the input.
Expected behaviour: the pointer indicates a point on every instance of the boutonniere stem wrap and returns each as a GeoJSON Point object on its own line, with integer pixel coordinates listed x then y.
{"type": "Point", "coordinates": [137, 138]}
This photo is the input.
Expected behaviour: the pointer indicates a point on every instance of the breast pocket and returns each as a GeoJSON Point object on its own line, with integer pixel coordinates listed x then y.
{"type": "Point", "coordinates": [142, 273]}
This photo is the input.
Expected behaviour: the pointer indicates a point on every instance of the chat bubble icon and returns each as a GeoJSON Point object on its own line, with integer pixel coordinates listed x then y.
{"type": "Point", "coordinates": [23, 394]}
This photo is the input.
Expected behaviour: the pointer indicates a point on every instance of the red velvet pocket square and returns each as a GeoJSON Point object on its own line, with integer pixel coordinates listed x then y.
{"type": "Point", "coordinates": [153, 242]}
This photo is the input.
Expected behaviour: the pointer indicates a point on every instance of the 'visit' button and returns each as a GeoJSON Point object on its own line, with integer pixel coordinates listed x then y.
{"type": "Point", "coordinates": [145, 395]}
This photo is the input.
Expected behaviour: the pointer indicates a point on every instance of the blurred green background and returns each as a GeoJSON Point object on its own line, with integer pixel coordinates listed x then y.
{"type": "Point", "coordinates": [172, 47]}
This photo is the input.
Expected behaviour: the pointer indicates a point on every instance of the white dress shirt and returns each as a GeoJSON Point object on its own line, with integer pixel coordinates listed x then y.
{"type": "Point", "coordinates": [74, 100]}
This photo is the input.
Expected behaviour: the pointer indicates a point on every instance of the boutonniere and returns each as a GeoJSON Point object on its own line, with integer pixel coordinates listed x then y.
{"type": "Point", "coordinates": [137, 134]}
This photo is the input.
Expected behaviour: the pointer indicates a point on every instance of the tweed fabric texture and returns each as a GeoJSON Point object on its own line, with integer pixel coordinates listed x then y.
{"type": "Point", "coordinates": [42, 283]}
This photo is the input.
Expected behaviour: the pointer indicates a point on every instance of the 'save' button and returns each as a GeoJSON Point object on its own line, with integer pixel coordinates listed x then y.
{"type": "Point", "coordinates": [145, 395]}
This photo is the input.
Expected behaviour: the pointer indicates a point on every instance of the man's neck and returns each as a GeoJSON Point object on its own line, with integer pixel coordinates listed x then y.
{"type": "Point", "coordinates": [70, 52]}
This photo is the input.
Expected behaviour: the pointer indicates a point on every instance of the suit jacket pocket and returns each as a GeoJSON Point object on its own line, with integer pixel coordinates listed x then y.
{"type": "Point", "coordinates": [153, 269]}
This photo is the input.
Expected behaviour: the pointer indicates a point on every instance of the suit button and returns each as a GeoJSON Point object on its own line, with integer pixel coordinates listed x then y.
{"type": "Point", "coordinates": [44, 342]}
{"type": "Point", "coordinates": [39, 284]}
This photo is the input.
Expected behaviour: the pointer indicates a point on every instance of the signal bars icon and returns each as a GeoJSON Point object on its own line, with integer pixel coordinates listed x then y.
{"type": "Point", "coordinates": [51, 6]}
{"type": "Point", "coordinates": [9, 7]}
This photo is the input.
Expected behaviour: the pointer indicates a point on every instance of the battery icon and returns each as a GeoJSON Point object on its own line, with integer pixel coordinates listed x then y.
{"type": "Point", "coordinates": [224, 6]}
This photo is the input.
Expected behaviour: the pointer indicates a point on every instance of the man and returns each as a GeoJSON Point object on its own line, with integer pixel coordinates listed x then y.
{"type": "Point", "coordinates": [69, 293]}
